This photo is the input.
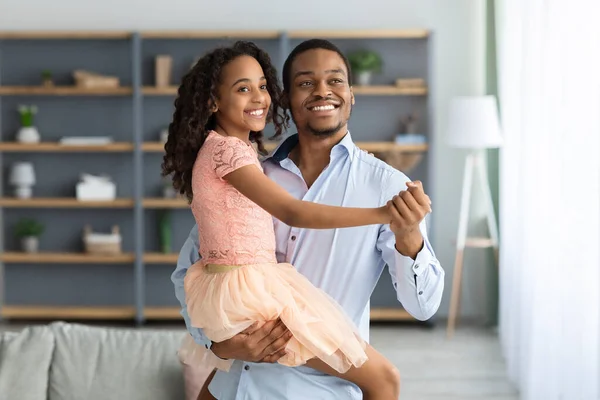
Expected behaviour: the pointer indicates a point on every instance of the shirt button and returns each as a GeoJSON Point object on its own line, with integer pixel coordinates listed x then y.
{"type": "Point", "coordinates": [293, 238]}
{"type": "Point", "coordinates": [416, 267]}
{"type": "Point", "coordinates": [247, 367]}
{"type": "Point", "coordinates": [421, 292]}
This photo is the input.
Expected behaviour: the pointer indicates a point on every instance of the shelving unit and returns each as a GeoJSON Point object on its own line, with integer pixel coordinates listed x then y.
{"type": "Point", "coordinates": [62, 91]}
{"type": "Point", "coordinates": [63, 282]}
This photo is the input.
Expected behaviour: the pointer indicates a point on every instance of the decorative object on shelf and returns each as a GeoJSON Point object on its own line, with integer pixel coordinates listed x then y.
{"type": "Point", "coordinates": [412, 83]}
{"type": "Point", "coordinates": [164, 135]}
{"type": "Point", "coordinates": [96, 188]}
{"type": "Point", "coordinates": [363, 64]}
{"type": "Point", "coordinates": [85, 140]}
{"type": "Point", "coordinates": [22, 176]}
{"type": "Point", "coordinates": [402, 160]}
{"type": "Point", "coordinates": [29, 230]}
{"type": "Point", "coordinates": [408, 131]}
{"type": "Point", "coordinates": [168, 189]}
{"type": "Point", "coordinates": [47, 78]}
{"type": "Point", "coordinates": [27, 133]}
{"type": "Point", "coordinates": [92, 80]}
{"type": "Point", "coordinates": [102, 243]}
{"type": "Point", "coordinates": [163, 69]}
{"type": "Point", "coordinates": [473, 124]}
{"type": "Point", "coordinates": [166, 235]}
{"type": "Point", "coordinates": [408, 124]}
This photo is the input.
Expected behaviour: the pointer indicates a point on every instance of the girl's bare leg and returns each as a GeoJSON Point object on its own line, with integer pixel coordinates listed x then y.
{"type": "Point", "coordinates": [377, 378]}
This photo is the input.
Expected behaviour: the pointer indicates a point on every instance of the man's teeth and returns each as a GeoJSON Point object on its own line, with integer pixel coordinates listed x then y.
{"type": "Point", "coordinates": [323, 108]}
{"type": "Point", "coordinates": [257, 112]}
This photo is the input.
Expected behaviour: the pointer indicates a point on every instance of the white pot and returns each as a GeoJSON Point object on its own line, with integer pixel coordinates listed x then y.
{"type": "Point", "coordinates": [30, 244]}
{"type": "Point", "coordinates": [23, 191]}
{"type": "Point", "coordinates": [28, 134]}
{"type": "Point", "coordinates": [363, 78]}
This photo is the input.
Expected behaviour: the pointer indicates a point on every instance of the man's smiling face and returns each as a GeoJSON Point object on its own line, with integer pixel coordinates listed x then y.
{"type": "Point", "coordinates": [320, 97]}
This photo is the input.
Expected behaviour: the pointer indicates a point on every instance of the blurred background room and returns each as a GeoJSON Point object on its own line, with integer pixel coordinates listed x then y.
{"type": "Point", "coordinates": [493, 104]}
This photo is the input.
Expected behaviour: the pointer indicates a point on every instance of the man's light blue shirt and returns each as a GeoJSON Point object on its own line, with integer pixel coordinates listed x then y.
{"type": "Point", "coordinates": [346, 263]}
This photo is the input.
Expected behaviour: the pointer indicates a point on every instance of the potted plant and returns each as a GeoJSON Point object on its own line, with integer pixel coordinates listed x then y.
{"type": "Point", "coordinates": [363, 64]}
{"type": "Point", "coordinates": [47, 78]}
{"type": "Point", "coordinates": [28, 133]}
{"type": "Point", "coordinates": [29, 231]}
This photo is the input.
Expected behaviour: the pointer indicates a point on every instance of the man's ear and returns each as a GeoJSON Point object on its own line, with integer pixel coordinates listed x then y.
{"type": "Point", "coordinates": [351, 96]}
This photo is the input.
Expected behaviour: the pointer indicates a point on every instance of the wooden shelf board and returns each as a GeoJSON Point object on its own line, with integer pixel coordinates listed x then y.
{"type": "Point", "coordinates": [160, 91]}
{"type": "Point", "coordinates": [218, 34]}
{"type": "Point", "coordinates": [63, 91]}
{"type": "Point", "coordinates": [163, 313]}
{"type": "Point", "coordinates": [153, 146]}
{"type": "Point", "coordinates": [157, 313]}
{"type": "Point", "coordinates": [210, 34]}
{"type": "Point", "coordinates": [68, 312]}
{"type": "Point", "coordinates": [49, 147]}
{"type": "Point", "coordinates": [165, 203]}
{"type": "Point", "coordinates": [160, 258]}
{"type": "Point", "coordinates": [57, 202]}
{"type": "Point", "coordinates": [65, 34]}
{"type": "Point", "coordinates": [388, 90]}
{"type": "Point", "coordinates": [378, 147]}
{"type": "Point", "coordinates": [390, 314]}
{"type": "Point", "coordinates": [65, 258]}
{"type": "Point", "coordinates": [360, 34]}
{"type": "Point", "coordinates": [377, 314]}
{"type": "Point", "coordinates": [374, 90]}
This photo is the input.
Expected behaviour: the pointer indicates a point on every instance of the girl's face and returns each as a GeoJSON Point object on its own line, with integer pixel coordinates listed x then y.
{"type": "Point", "coordinates": [243, 100]}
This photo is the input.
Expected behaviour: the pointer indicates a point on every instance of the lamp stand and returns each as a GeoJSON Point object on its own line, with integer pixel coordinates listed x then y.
{"type": "Point", "coordinates": [475, 162]}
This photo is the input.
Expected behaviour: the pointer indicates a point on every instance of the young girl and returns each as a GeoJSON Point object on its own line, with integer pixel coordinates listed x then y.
{"type": "Point", "coordinates": [223, 105]}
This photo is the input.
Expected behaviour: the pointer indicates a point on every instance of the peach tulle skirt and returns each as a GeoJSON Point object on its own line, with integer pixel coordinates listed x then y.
{"type": "Point", "coordinates": [225, 300]}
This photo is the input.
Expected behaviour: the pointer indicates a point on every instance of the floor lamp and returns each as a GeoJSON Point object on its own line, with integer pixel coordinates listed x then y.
{"type": "Point", "coordinates": [473, 124]}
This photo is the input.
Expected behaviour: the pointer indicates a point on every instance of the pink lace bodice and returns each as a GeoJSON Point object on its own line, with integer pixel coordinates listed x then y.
{"type": "Point", "coordinates": [232, 229]}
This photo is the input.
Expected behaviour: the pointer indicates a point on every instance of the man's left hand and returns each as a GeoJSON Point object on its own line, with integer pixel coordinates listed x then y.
{"type": "Point", "coordinates": [407, 210]}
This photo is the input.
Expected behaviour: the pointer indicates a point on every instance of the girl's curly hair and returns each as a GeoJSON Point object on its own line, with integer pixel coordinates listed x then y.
{"type": "Point", "coordinates": [193, 118]}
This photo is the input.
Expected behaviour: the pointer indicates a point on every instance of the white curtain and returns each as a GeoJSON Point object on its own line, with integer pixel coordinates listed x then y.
{"type": "Point", "coordinates": [549, 96]}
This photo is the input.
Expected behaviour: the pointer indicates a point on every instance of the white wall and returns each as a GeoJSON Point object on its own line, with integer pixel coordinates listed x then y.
{"type": "Point", "coordinates": [459, 51]}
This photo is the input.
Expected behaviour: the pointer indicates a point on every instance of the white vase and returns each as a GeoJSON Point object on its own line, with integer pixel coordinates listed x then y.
{"type": "Point", "coordinates": [23, 191]}
{"type": "Point", "coordinates": [30, 244]}
{"type": "Point", "coordinates": [363, 78]}
{"type": "Point", "coordinates": [28, 134]}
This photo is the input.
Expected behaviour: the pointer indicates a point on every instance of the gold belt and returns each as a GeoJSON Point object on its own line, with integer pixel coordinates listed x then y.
{"type": "Point", "coordinates": [219, 268]}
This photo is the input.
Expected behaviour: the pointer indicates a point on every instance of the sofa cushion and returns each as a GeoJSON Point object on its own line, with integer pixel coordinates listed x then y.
{"type": "Point", "coordinates": [24, 363]}
{"type": "Point", "coordinates": [95, 363]}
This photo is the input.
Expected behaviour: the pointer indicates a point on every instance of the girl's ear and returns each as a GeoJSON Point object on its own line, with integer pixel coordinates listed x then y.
{"type": "Point", "coordinates": [213, 104]}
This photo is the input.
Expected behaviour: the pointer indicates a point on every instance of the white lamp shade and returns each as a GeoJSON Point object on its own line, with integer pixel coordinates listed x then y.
{"type": "Point", "coordinates": [22, 173]}
{"type": "Point", "coordinates": [473, 123]}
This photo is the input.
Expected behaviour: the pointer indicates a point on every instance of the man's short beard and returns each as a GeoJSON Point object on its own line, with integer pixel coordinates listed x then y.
{"type": "Point", "coordinates": [325, 132]}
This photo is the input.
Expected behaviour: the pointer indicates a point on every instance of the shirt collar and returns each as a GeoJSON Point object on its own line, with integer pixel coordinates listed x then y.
{"type": "Point", "coordinates": [283, 150]}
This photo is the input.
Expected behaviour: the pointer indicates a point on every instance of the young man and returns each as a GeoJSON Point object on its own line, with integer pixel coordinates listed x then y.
{"type": "Point", "coordinates": [322, 164]}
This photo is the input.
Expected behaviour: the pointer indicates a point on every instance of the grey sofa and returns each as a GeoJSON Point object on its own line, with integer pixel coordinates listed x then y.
{"type": "Point", "coordinates": [64, 361]}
